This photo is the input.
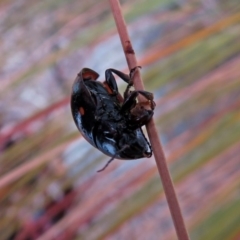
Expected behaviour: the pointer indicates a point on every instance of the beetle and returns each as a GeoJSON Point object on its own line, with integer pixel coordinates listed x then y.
{"type": "Point", "coordinates": [108, 121]}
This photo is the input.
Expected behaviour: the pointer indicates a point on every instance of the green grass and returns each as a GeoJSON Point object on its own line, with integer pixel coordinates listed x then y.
{"type": "Point", "coordinates": [128, 208]}
{"type": "Point", "coordinates": [139, 8]}
{"type": "Point", "coordinates": [221, 223]}
{"type": "Point", "coordinates": [193, 62]}
{"type": "Point", "coordinates": [220, 136]}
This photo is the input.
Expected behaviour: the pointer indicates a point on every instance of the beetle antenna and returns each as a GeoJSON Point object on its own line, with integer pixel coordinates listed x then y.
{"type": "Point", "coordinates": [107, 164]}
{"type": "Point", "coordinates": [111, 159]}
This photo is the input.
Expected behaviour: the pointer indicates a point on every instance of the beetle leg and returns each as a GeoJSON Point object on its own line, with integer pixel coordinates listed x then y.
{"type": "Point", "coordinates": [126, 78]}
{"type": "Point", "coordinates": [130, 83]}
{"type": "Point", "coordinates": [139, 116]}
{"type": "Point", "coordinates": [148, 96]}
{"type": "Point", "coordinates": [138, 113]}
{"type": "Point", "coordinates": [111, 82]}
{"type": "Point", "coordinates": [132, 71]}
{"type": "Point", "coordinates": [130, 101]}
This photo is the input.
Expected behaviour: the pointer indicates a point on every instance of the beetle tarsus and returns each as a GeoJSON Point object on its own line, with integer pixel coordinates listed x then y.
{"type": "Point", "coordinates": [130, 82]}
{"type": "Point", "coordinates": [132, 71]}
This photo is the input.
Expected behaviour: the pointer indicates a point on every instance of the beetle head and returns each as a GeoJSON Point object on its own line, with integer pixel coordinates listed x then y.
{"type": "Point", "coordinates": [124, 145]}
{"type": "Point", "coordinates": [138, 146]}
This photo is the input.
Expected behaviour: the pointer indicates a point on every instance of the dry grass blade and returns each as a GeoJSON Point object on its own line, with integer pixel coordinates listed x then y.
{"type": "Point", "coordinates": [151, 128]}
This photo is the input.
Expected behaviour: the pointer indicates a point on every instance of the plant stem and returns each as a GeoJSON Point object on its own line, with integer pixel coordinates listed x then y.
{"type": "Point", "coordinates": [151, 128]}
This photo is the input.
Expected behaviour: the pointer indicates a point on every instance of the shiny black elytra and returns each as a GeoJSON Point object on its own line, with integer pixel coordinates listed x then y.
{"type": "Point", "coordinates": [107, 120]}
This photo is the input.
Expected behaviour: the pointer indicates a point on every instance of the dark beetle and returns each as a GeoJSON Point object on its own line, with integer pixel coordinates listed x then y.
{"type": "Point", "coordinates": [107, 120]}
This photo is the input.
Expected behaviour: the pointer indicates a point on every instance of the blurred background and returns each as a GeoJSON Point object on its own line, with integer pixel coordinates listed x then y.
{"type": "Point", "coordinates": [189, 51]}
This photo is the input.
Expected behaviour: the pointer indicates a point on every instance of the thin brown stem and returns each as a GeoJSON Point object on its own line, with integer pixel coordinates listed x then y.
{"type": "Point", "coordinates": [151, 128]}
